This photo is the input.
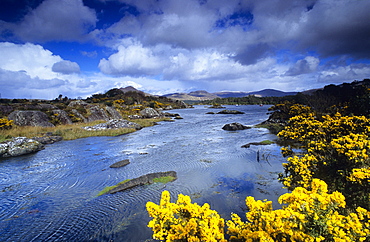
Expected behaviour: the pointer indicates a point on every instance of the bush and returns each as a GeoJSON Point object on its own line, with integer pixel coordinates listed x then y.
{"type": "Point", "coordinates": [5, 123]}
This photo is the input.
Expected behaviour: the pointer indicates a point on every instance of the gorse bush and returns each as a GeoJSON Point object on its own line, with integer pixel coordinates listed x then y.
{"type": "Point", "coordinates": [327, 172]}
{"type": "Point", "coordinates": [5, 123]}
{"type": "Point", "coordinates": [336, 149]}
{"type": "Point", "coordinates": [307, 215]}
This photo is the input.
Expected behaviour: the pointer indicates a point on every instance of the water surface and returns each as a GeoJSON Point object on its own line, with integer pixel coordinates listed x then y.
{"type": "Point", "coordinates": [51, 195]}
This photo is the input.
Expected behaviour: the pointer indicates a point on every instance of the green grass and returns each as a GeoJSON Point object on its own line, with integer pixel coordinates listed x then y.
{"type": "Point", "coordinates": [266, 142]}
{"type": "Point", "coordinates": [109, 188]}
{"type": "Point", "coordinates": [164, 179]}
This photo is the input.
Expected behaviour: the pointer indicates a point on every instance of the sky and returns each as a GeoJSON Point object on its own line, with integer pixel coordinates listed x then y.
{"type": "Point", "coordinates": [81, 47]}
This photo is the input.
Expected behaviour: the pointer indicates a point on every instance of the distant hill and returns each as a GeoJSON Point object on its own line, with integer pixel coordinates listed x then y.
{"type": "Point", "coordinates": [192, 96]}
{"type": "Point", "coordinates": [204, 95]}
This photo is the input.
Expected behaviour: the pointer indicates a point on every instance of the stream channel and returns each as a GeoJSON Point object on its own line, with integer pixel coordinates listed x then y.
{"type": "Point", "coordinates": [51, 195]}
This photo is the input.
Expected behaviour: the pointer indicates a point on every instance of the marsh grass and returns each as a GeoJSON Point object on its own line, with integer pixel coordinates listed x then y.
{"type": "Point", "coordinates": [72, 131]}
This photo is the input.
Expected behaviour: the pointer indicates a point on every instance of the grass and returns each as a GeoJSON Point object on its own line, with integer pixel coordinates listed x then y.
{"type": "Point", "coordinates": [72, 131]}
{"type": "Point", "coordinates": [109, 188]}
{"type": "Point", "coordinates": [266, 142]}
{"type": "Point", "coordinates": [164, 179]}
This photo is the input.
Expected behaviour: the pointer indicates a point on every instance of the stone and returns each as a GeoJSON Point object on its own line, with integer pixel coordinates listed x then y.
{"type": "Point", "coordinates": [114, 124]}
{"type": "Point", "coordinates": [114, 114]}
{"type": "Point", "coordinates": [150, 113]}
{"type": "Point", "coordinates": [19, 146]}
{"type": "Point", "coordinates": [97, 113]}
{"type": "Point", "coordinates": [62, 116]}
{"type": "Point", "coordinates": [234, 126]}
{"type": "Point", "coordinates": [30, 118]}
{"type": "Point", "coordinates": [121, 163]}
{"type": "Point", "coordinates": [142, 180]}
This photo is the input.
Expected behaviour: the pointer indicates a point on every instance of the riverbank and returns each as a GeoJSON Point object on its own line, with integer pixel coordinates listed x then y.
{"type": "Point", "coordinates": [73, 131]}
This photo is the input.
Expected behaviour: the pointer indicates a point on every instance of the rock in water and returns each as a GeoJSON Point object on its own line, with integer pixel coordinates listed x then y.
{"type": "Point", "coordinates": [19, 146]}
{"type": "Point", "coordinates": [230, 112]}
{"type": "Point", "coordinates": [142, 180]}
{"type": "Point", "coordinates": [235, 126]}
{"type": "Point", "coordinates": [114, 124]}
{"type": "Point", "coordinates": [121, 163]}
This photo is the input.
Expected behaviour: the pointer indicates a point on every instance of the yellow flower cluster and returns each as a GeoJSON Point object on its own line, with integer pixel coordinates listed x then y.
{"type": "Point", "coordinates": [361, 175]}
{"type": "Point", "coordinates": [5, 123]}
{"type": "Point", "coordinates": [307, 215]}
{"type": "Point", "coordinates": [184, 220]}
{"type": "Point", "coordinates": [334, 146]}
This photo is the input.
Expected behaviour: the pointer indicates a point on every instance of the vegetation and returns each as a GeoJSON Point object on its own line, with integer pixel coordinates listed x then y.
{"type": "Point", "coordinates": [109, 188]}
{"type": "Point", "coordinates": [327, 172]}
{"type": "Point", "coordinates": [164, 179]}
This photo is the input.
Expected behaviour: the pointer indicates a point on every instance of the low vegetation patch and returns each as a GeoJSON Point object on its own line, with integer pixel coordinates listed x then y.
{"type": "Point", "coordinates": [109, 188]}
{"type": "Point", "coordinates": [164, 179]}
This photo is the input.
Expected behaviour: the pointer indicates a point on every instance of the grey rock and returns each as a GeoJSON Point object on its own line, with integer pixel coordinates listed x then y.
{"type": "Point", "coordinates": [114, 124]}
{"type": "Point", "coordinates": [78, 103]}
{"type": "Point", "coordinates": [62, 116]}
{"type": "Point", "coordinates": [19, 146]}
{"type": "Point", "coordinates": [6, 109]}
{"type": "Point", "coordinates": [234, 126]}
{"type": "Point", "coordinates": [30, 118]}
{"type": "Point", "coordinates": [150, 113]}
{"type": "Point", "coordinates": [78, 115]}
{"type": "Point", "coordinates": [113, 113]}
{"type": "Point", "coordinates": [142, 180]}
{"type": "Point", "coordinates": [48, 139]}
{"type": "Point", "coordinates": [97, 113]}
{"type": "Point", "coordinates": [121, 163]}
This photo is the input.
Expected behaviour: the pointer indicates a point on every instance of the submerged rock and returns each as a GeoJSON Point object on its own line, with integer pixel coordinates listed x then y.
{"type": "Point", "coordinates": [142, 180]}
{"type": "Point", "coordinates": [114, 124]}
{"type": "Point", "coordinates": [121, 163]}
{"type": "Point", "coordinates": [235, 126]}
{"type": "Point", "coordinates": [19, 146]}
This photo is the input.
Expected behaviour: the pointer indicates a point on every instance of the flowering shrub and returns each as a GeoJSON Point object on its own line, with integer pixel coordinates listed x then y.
{"type": "Point", "coordinates": [307, 215]}
{"type": "Point", "coordinates": [335, 147]}
{"type": "Point", "coordinates": [184, 221]}
{"type": "Point", "coordinates": [5, 123]}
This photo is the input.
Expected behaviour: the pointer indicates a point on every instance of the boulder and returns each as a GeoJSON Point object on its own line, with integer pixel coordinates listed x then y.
{"type": "Point", "coordinates": [19, 146]}
{"type": "Point", "coordinates": [97, 113]}
{"type": "Point", "coordinates": [78, 103]}
{"type": "Point", "coordinates": [114, 114]}
{"type": "Point", "coordinates": [142, 180]}
{"type": "Point", "coordinates": [79, 116]}
{"type": "Point", "coordinates": [235, 126]}
{"type": "Point", "coordinates": [48, 138]}
{"type": "Point", "coordinates": [6, 109]}
{"type": "Point", "coordinates": [114, 124]}
{"type": "Point", "coordinates": [230, 112]}
{"type": "Point", "coordinates": [121, 163]}
{"type": "Point", "coordinates": [30, 118]}
{"type": "Point", "coordinates": [62, 116]}
{"type": "Point", "coordinates": [150, 113]}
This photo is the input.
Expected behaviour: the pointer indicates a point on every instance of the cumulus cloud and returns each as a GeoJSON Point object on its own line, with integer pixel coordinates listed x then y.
{"type": "Point", "coordinates": [56, 20]}
{"type": "Point", "coordinates": [133, 59]}
{"type": "Point", "coordinates": [66, 67]}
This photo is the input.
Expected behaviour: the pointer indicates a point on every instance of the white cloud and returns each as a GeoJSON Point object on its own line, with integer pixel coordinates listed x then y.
{"type": "Point", "coordinates": [304, 66]}
{"type": "Point", "coordinates": [134, 60]}
{"type": "Point", "coordinates": [57, 20]}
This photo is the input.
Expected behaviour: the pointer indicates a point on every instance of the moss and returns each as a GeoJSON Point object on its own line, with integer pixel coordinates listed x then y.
{"type": "Point", "coordinates": [109, 188]}
{"type": "Point", "coordinates": [164, 179]}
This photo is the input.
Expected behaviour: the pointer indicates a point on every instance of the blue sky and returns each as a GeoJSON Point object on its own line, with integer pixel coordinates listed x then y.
{"type": "Point", "coordinates": [77, 48]}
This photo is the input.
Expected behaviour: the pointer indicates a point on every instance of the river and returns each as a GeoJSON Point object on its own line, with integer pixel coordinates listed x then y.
{"type": "Point", "coordinates": [52, 195]}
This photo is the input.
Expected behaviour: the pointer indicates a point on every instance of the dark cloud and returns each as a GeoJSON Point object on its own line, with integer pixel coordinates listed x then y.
{"type": "Point", "coordinates": [56, 20]}
{"type": "Point", "coordinates": [66, 67]}
{"type": "Point", "coordinates": [303, 66]}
